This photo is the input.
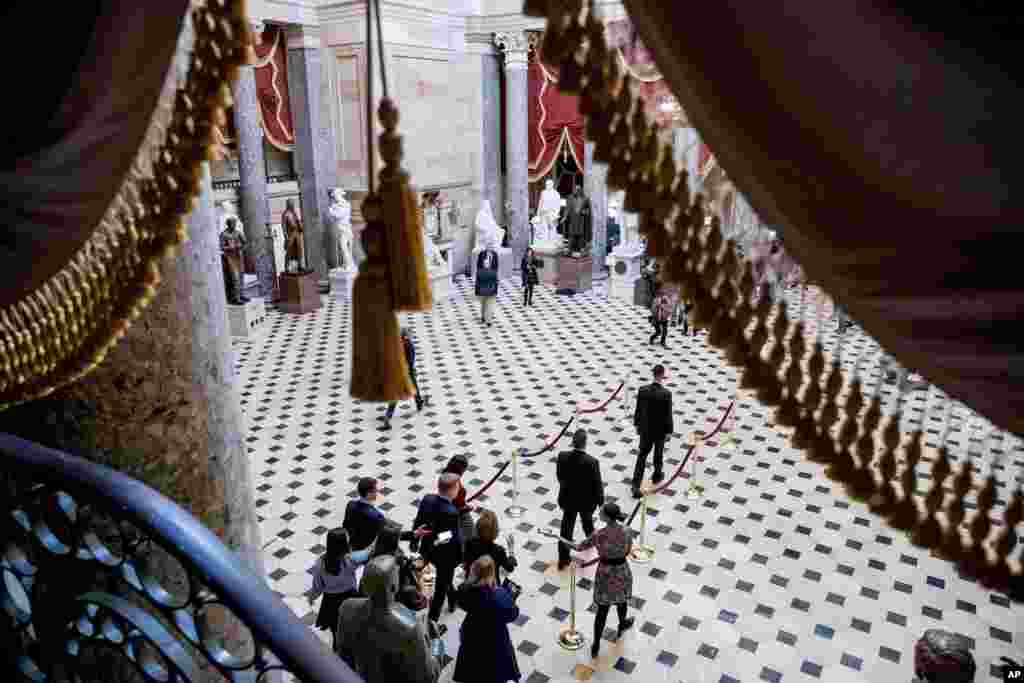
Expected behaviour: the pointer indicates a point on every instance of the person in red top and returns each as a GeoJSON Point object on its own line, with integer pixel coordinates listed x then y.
{"type": "Point", "coordinates": [660, 314]}
{"type": "Point", "coordinates": [458, 466]}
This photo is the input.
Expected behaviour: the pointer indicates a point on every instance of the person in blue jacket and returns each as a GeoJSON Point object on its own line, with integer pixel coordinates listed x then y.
{"type": "Point", "coordinates": [486, 654]}
{"type": "Point", "coordinates": [487, 283]}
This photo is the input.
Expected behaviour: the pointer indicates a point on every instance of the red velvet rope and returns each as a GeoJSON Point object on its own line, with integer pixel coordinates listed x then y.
{"type": "Point", "coordinates": [549, 446]}
{"type": "Point", "coordinates": [501, 470]}
{"type": "Point", "coordinates": [605, 404]}
{"type": "Point", "coordinates": [686, 458]}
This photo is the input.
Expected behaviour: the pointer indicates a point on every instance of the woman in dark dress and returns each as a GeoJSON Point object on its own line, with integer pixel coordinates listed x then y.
{"type": "Point", "coordinates": [487, 284]}
{"type": "Point", "coordinates": [531, 278]}
{"type": "Point", "coordinates": [334, 576]}
{"type": "Point", "coordinates": [485, 543]}
{"type": "Point", "coordinates": [613, 581]}
{"type": "Point", "coordinates": [486, 654]}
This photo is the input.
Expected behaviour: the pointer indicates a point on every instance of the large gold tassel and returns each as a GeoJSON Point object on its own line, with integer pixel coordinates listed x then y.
{"type": "Point", "coordinates": [379, 370]}
{"type": "Point", "coordinates": [410, 287]}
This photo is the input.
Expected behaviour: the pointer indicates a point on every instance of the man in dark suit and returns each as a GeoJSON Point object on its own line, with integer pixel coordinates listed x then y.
{"type": "Point", "coordinates": [410, 359]}
{"type": "Point", "coordinates": [439, 536]}
{"type": "Point", "coordinates": [363, 521]}
{"type": "Point", "coordinates": [580, 491]}
{"type": "Point", "coordinates": [653, 421]}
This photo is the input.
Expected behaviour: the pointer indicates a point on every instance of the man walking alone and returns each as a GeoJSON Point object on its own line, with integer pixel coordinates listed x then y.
{"type": "Point", "coordinates": [410, 360]}
{"type": "Point", "coordinates": [653, 421]}
{"type": "Point", "coordinates": [580, 491]}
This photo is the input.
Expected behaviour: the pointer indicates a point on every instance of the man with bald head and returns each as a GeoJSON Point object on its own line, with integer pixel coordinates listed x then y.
{"type": "Point", "coordinates": [380, 638]}
{"type": "Point", "coordinates": [439, 534]}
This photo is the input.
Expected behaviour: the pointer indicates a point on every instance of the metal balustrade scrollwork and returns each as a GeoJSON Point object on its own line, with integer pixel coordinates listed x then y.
{"type": "Point", "coordinates": [104, 579]}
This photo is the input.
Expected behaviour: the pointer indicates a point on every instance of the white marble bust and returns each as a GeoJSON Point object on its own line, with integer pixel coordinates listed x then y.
{"type": "Point", "coordinates": [340, 216]}
{"type": "Point", "coordinates": [488, 233]}
{"type": "Point", "coordinates": [229, 209]}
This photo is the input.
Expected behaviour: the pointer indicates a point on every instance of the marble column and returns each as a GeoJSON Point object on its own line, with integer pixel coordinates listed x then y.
{"type": "Point", "coordinates": [491, 129]}
{"type": "Point", "coordinates": [595, 186]}
{"type": "Point", "coordinates": [168, 392]}
{"type": "Point", "coordinates": [315, 153]}
{"type": "Point", "coordinates": [515, 46]}
{"type": "Point", "coordinates": [252, 171]}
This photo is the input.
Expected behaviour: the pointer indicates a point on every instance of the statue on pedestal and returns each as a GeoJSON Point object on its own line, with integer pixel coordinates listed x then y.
{"type": "Point", "coordinates": [294, 239]}
{"type": "Point", "coordinates": [382, 640]}
{"type": "Point", "coordinates": [340, 216]}
{"type": "Point", "coordinates": [577, 221]}
{"type": "Point", "coordinates": [232, 246]}
{"type": "Point", "coordinates": [488, 234]}
{"type": "Point", "coordinates": [630, 243]}
{"type": "Point", "coordinates": [545, 221]}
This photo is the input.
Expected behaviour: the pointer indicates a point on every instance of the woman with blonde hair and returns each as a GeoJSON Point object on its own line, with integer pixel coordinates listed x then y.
{"type": "Point", "coordinates": [486, 654]}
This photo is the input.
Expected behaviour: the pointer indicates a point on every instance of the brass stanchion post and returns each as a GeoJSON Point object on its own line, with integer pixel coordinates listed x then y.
{"type": "Point", "coordinates": [641, 552]}
{"type": "Point", "coordinates": [515, 511]}
{"type": "Point", "coordinates": [695, 490]}
{"type": "Point", "coordinates": [570, 638]}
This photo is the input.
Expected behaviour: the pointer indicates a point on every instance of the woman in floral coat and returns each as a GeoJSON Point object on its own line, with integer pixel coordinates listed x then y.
{"type": "Point", "coordinates": [613, 582]}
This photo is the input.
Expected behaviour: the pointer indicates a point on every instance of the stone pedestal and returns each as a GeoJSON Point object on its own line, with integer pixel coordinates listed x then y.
{"type": "Point", "coordinates": [341, 283]}
{"type": "Point", "coordinates": [548, 270]}
{"type": "Point", "coordinates": [248, 320]}
{"type": "Point", "coordinates": [440, 283]}
{"type": "Point", "coordinates": [300, 292]}
{"type": "Point", "coordinates": [507, 265]}
{"type": "Point", "coordinates": [625, 271]}
{"type": "Point", "coordinates": [575, 274]}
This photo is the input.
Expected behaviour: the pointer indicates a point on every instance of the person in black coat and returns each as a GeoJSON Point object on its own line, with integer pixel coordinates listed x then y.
{"type": "Point", "coordinates": [653, 421]}
{"type": "Point", "coordinates": [410, 359]}
{"type": "Point", "coordinates": [363, 521]}
{"type": "Point", "coordinates": [487, 284]}
{"type": "Point", "coordinates": [439, 536]}
{"type": "Point", "coordinates": [530, 276]}
{"type": "Point", "coordinates": [580, 491]}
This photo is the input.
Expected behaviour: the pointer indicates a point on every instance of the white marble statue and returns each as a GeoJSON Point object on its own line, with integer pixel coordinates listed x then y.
{"type": "Point", "coordinates": [340, 216]}
{"type": "Point", "coordinates": [545, 222]}
{"type": "Point", "coordinates": [631, 244]}
{"type": "Point", "coordinates": [488, 233]}
{"type": "Point", "coordinates": [435, 260]}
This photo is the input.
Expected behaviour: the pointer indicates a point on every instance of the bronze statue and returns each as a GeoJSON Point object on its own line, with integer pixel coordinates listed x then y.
{"type": "Point", "coordinates": [232, 246]}
{"type": "Point", "coordinates": [381, 639]}
{"type": "Point", "coordinates": [294, 239]}
{"type": "Point", "coordinates": [577, 221]}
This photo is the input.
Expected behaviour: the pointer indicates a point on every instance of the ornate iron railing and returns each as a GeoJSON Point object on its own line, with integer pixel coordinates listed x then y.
{"type": "Point", "coordinates": [102, 578]}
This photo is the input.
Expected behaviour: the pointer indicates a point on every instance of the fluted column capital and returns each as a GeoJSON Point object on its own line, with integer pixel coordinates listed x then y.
{"type": "Point", "coordinates": [515, 45]}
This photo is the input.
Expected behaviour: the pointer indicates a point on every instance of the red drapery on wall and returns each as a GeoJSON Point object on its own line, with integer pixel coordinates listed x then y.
{"type": "Point", "coordinates": [272, 89]}
{"type": "Point", "coordinates": [555, 122]}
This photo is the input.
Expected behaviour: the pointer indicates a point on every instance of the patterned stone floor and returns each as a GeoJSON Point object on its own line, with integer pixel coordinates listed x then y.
{"type": "Point", "coordinates": [771, 575]}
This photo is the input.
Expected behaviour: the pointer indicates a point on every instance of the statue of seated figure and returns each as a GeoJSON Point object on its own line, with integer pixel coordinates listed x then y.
{"type": "Point", "coordinates": [382, 640]}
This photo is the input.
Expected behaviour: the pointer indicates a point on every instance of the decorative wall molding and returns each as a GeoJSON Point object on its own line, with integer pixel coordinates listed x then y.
{"type": "Point", "coordinates": [515, 46]}
{"type": "Point", "coordinates": [285, 12]}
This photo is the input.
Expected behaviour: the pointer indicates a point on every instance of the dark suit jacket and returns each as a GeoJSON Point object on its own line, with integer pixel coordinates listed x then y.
{"type": "Point", "coordinates": [579, 479]}
{"type": "Point", "coordinates": [440, 515]}
{"type": "Point", "coordinates": [362, 522]}
{"type": "Point", "coordinates": [487, 278]}
{"type": "Point", "coordinates": [653, 417]}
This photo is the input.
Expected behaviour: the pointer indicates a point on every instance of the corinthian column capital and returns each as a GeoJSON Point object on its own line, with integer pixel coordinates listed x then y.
{"type": "Point", "coordinates": [515, 45]}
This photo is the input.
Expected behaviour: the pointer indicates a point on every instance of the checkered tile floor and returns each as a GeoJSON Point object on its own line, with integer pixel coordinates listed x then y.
{"type": "Point", "coordinates": [771, 575]}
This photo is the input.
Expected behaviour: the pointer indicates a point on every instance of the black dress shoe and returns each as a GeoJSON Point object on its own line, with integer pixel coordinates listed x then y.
{"type": "Point", "coordinates": [657, 477]}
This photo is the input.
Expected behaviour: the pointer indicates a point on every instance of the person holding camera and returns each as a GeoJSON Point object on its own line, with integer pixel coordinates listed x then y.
{"type": "Point", "coordinates": [486, 654]}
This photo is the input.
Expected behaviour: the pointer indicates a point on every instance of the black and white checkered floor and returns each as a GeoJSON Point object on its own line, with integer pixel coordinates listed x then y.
{"type": "Point", "coordinates": [771, 575]}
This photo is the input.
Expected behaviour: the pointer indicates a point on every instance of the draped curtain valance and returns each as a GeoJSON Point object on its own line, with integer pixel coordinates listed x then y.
{"type": "Point", "coordinates": [889, 157]}
{"type": "Point", "coordinates": [272, 89]}
{"type": "Point", "coordinates": [555, 122]}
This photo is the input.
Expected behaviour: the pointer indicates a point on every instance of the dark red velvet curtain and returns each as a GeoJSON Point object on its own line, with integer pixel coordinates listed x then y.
{"type": "Point", "coordinates": [887, 154]}
{"type": "Point", "coordinates": [272, 89]}
{"type": "Point", "coordinates": [555, 123]}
